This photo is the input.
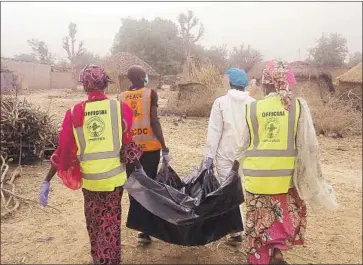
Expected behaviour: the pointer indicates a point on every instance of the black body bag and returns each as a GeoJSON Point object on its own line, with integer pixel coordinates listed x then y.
{"type": "Point", "coordinates": [190, 212]}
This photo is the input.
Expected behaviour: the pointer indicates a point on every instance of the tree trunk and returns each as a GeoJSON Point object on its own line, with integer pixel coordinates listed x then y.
{"type": "Point", "coordinates": [74, 75]}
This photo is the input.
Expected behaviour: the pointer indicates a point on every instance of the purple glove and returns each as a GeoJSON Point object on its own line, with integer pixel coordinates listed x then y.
{"type": "Point", "coordinates": [166, 157]}
{"type": "Point", "coordinates": [140, 170]}
{"type": "Point", "coordinates": [209, 163]}
{"type": "Point", "coordinates": [44, 192]}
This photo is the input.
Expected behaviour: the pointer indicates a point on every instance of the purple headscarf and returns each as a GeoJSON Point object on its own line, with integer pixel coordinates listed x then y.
{"type": "Point", "coordinates": [93, 76]}
{"type": "Point", "coordinates": [279, 74]}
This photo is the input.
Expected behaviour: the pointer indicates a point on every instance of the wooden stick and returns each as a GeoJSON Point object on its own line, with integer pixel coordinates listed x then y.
{"type": "Point", "coordinates": [16, 206]}
{"type": "Point", "coordinates": [28, 200]}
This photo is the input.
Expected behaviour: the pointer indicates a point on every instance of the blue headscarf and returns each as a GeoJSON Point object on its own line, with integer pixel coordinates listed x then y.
{"type": "Point", "coordinates": [237, 77]}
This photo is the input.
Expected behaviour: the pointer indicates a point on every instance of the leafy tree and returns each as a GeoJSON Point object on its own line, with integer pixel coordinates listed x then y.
{"type": "Point", "coordinates": [26, 58]}
{"type": "Point", "coordinates": [330, 51]}
{"type": "Point", "coordinates": [188, 22]}
{"type": "Point", "coordinates": [354, 59]}
{"type": "Point", "coordinates": [40, 51]}
{"type": "Point", "coordinates": [244, 57]}
{"type": "Point", "coordinates": [156, 42]}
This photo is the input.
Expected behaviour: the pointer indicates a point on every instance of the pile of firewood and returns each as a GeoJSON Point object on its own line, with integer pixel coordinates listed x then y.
{"type": "Point", "coordinates": [27, 133]}
{"type": "Point", "coordinates": [9, 201]}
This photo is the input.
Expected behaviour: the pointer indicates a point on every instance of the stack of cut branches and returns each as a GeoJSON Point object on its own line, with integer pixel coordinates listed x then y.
{"type": "Point", "coordinates": [27, 133]}
{"type": "Point", "coordinates": [8, 199]}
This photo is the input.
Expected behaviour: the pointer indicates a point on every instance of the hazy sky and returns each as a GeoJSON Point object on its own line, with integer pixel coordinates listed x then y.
{"type": "Point", "coordinates": [276, 29]}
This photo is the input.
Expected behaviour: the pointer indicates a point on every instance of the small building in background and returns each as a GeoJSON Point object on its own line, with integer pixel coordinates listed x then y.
{"type": "Point", "coordinates": [34, 76]}
{"type": "Point", "coordinates": [116, 67]}
{"type": "Point", "coordinates": [350, 86]}
{"type": "Point", "coordinates": [352, 79]}
{"type": "Point", "coordinates": [62, 77]}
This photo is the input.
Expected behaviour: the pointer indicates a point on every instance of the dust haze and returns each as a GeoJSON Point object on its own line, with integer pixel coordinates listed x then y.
{"type": "Point", "coordinates": [283, 30]}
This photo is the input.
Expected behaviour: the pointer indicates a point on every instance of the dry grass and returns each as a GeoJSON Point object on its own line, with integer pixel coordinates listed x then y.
{"type": "Point", "coordinates": [195, 97]}
{"type": "Point", "coordinates": [337, 116]}
{"type": "Point", "coordinates": [354, 75]}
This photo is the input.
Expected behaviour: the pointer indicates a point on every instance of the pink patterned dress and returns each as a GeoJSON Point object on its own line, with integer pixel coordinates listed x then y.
{"type": "Point", "coordinates": [273, 221]}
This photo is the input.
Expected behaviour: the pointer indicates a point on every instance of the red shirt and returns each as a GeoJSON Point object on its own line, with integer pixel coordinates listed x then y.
{"type": "Point", "coordinates": [64, 157]}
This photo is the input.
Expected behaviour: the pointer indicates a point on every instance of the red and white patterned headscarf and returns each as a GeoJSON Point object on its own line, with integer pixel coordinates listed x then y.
{"type": "Point", "coordinates": [93, 76]}
{"type": "Point", "coordinates": [280, 75]}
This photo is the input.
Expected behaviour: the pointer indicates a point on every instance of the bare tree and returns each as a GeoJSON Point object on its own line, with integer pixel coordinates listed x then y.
{"type": "Point", "coordinates": [244, 58]}
{"type": "Point", "coordinates": [354, 59]}
{"type": "Point", "coordinates": [187, 23]}
{"type": "Point", "coordinates": [69, 45]}
{"type": "Point", "coordinates": [40, 51]}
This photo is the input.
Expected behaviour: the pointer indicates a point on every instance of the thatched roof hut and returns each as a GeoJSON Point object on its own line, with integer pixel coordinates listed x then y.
{"type": "Point", "coordinates": [116, 67]}
{"type": "Point", "coordinates": [354, 75]}
{"type": "Point", "coordinates": [123, 60]}
{"type": "Point", "coordinates": [302, 70]}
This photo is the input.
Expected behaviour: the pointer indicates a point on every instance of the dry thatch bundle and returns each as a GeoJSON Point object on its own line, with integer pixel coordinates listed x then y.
{"type": "Point", "coordinates": [334, 116]}
{"type": "Point", "coordinates": [196, 96]}
{"type": "Point", "coordinates": [350, 86]}
{"type": "Point", "coordinates": [116, 67]}
{"type": "Point", "coordinates": [27, 133]}
{"type": "Point", "coordinates": [354, 75]}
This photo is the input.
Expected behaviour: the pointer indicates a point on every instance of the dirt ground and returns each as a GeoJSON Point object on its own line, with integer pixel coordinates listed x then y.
{"type": "Point", "coordinates": [44, 236]}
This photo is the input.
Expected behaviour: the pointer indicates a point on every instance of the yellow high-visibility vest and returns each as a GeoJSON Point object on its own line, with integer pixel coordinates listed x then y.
{"type": "Point", "coordinates": [140, 102]}
{"type": "Point", "coordinates": [99, 142]}
{"type": "Point", "coordinates": [270, 158]}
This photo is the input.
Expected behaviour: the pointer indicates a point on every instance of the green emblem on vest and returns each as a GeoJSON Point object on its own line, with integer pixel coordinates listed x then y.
{"type": "Point", "coordinates": [95, 126]}
{"type": "Point", "coordinates": [272, 127]}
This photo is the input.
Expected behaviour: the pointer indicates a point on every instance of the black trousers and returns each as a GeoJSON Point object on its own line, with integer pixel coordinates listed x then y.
{"type": "Point", "coordinates": [150, 162]}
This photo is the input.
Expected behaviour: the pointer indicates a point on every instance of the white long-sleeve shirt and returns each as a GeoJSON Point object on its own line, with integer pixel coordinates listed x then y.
{"type": "Point", "coordinates": [308, 178]}
{"type": "Point", "coordinates": [227, 122]}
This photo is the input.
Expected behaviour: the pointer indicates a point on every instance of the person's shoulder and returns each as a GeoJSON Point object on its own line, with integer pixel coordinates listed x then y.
{"type": "Point", "coordinates": [250, 99]}
{"type": "Point", "coordinates": [302, 101]}
{"type": "Point", "coordinates": [77, 106]}
{"type": "Point", "coordinates": [220, 98]}
{"type": "Point", "coordinates": [217, 101]}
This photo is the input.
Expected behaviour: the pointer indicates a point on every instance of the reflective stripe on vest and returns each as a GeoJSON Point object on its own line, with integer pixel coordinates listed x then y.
{"type": "Point", "coordinates": [150, 141]}
{"type": "Point", "coordinates": [116, 139]}
{"type": "Point", "coordinates": [114, 154]}
{"type": "Point", "coordinates": [290, 151]}
{"type": "Point", "coordinates": [269, 171]}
